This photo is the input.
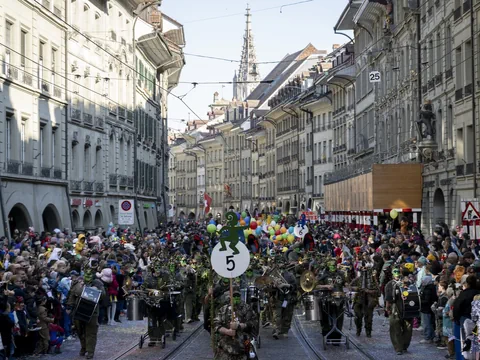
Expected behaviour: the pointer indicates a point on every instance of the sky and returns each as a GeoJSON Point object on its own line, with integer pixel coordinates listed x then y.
{"type": "Point", "coordinates": [275, 35]}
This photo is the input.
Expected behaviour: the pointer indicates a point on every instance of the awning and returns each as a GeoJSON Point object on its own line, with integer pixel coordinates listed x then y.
{"type": "Point", "coordinates": [370, 10]}
{"type": "Point", "coordinates": [343, 76]}
{"type": "Point", "coordinates": [176, 36]}
{"type": "Point", "coordinates": [155, 49]}
{"type": "Point", "coordinates": [345, 22]}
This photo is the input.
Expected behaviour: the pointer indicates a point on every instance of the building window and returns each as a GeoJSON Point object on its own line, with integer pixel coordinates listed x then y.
{"type": "Point", "coordinates": [41, 53]}
{"type": "Point", "coordinates": [54, 62]}
{"type": "Point", "coordinates": [23, 47]}
{"type": "Point", "coordinates": [22, 142]}
{"type": "Point", "coordinates": [54, 135]}
{"type": "Point", "coordinates": [42, 143]}
{"type": "Point", "coordinates": [8, 135]}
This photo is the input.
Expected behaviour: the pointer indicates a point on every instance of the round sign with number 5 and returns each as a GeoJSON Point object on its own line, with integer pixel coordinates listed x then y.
{"type": "Point", "coordinates": [300, 231]}
{"type": "Point", "coordinates": [228, 265]}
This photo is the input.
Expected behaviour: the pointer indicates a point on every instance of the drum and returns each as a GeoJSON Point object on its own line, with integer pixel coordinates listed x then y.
{"type": "Point", "coordinates": [135, 308]}
{"type": "Point", "coordinates": [87, 304]}
{"type": "Point", "coordinates": [312, 308]}
{"type": "Point", "coordinates": [411, 302]}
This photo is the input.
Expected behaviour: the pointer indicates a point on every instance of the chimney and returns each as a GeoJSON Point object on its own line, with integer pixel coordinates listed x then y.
{"type": "Point", "coordinates": [335, 46]}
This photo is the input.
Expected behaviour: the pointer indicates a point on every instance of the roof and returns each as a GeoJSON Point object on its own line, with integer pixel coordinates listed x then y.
{"type": "Point", "coordinates": [280, 73]}
{"type": "Point", "coordinates": [345, 22]}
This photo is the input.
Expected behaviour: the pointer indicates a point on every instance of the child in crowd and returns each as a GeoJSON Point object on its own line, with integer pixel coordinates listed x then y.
{"type": "Point", "coordinates": [56, 337]}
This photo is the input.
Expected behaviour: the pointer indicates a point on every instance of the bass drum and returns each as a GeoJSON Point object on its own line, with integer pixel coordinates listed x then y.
{"type": "Point", "coordinates": [411, 302]}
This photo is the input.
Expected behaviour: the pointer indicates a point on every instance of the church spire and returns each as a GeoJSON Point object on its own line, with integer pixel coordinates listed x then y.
{"type": "Point", "coordinates": [248, 71]}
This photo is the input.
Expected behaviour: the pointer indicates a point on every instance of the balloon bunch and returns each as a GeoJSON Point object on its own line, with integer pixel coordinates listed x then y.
{"type": "Point", "coordinates": [279, 234]}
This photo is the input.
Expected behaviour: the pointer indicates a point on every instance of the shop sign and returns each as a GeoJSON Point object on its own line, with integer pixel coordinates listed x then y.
{"type": "Point", "coordinates": [88, 203]}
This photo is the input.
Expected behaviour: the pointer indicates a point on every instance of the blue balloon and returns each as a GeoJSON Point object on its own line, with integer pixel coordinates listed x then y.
{"type": "Point", "coordinates": [291, 229]}
{"type": "Point", "coordinates": [258, 231]}
{"type": "Point", "coordinates": [247, 220]}
{"type": "Point", "coordinates": [238, 216]}
{"type": "Point", "coordinates": [213, 222]}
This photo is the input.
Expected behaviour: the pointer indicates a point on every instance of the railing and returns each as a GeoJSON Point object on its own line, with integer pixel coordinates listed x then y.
{"type": "Point", "coordinates": [113, 179]}
{"type": "Point", "coordinates": [469, 169]}
{"type": "Point", "coordinates": [75, 185]}
{"type": "Point", "coordinates": [27, 169]}
{"type": "Point", "coordinates": [99, 122]}
{"type": "Point", "coordinates": [88, 186]}
{"type": "Point", "coordinates": [112, 108]}
{"type": "Point", "coordinates": [431, 84]}
{"type": "Point", "coordinates": [458, 94]}
{"type": "Point", "coordinates": [448, 73]}
{"type": "Point", "coordinates": [99, 188]}
{"type": "Point", "coordinates": [438, 79]}
{"type": "Point", "coordinates": [122, 112]}
{"type": "Point", "coordinates": [76, 115]}
{"type": "Point", "coordinates": [468, 89]}
{"type": "Point", "coordinates": [424, 89]}
{"type": "Point", "coordinates": [88, 119]}
{"type": "Point", "coordinates": [57, 173]}
{"type": "Point", "coordinates": [130, 181]}
{"type": "Point", "coordinates": [46, 172]}
{"type": "Point", "coordinates": [123, 180]}
{"type": "Point", "coordinates": [460, 170]}
{"type": "Point", "coordinates": [13, 166]}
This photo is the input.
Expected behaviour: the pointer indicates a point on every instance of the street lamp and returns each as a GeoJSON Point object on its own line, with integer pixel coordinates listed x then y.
{"type": "Point", "coordinates": [141, 7]}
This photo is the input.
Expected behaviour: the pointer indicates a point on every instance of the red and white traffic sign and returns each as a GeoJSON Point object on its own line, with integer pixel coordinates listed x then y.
{"type": "Point", "coordinates": [126, 214]}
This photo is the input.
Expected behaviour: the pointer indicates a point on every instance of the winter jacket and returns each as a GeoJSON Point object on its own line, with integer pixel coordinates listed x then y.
{"type": "Point", "coordinates": [113, 287]}
{"type": "Point", "coordinates": [462, 306]}
{"type": "Point", "coordinates": [428, 296]}
{"type": "Point", "coordinates": [6, 326]}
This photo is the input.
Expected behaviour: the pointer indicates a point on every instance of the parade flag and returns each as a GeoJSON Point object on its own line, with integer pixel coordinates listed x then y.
{"type": "Point", "coordinates": [208, 202]}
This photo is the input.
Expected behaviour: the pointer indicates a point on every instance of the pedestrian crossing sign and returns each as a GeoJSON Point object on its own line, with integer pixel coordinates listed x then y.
{"type": "Point", "coordinates": [470, 213]}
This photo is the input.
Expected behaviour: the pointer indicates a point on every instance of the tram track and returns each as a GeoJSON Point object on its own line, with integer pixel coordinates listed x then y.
{"type": "Point", "coordinates": [316, 354]}
{"type": "Point", "coordinates": [172, 352]}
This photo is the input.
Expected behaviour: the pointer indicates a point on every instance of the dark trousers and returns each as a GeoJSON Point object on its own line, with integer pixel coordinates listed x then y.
{"type": "Point", "coordinates": [364, 313]}
{"type": "Point", "coordinates": [87, 333]}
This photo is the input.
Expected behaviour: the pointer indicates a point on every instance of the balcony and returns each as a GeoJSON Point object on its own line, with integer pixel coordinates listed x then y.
{"type": "Point", "coordinates": [449, 73]}
{"type": "Point", "coordinates": [76, 115]}
{"type": "Point", "coordinates": [424, 89]}
{"type": "Point", "coordinates": [75, 185]}
{"type": "Point", "coordinates": [468, 90]}
{"type": "Point", "coordinates": [57, 173]}
{"type": "Point", "coordinates": [122, 112]}
{"type": "Point", "coordinates": [88, 119]}
{"type": "Point", "coordinates": [458, 94]}
{"type": "Point", "coordinates": [112, 108]}
{"type": "Point", "coordinates": [129, 116]}
{"type": "Point", "coordinates": [457, 13]}
{"type": "Point", "coordinates": [99, 122]}
{"type": "Point", "coordinates": [46, 172]}
{"type": "Point", "coordinates": [431, 84]}
{"type": "Point", "coordinates": [13, 167]}
{"type": "Point", "coordinates": [27, 169]}
{"type": "Point", "coordinates": [99, 188]}
{"type": "Point", "coordinates": [469, 169]}
{"type": "Point", "coordinates": [130, 181]}
{"type": "Point", "coordinates": [88, 186]}
{"type": "Point", "coordinates": [438, 79]}
{"type": "Point", "coordinates": [113, 178]}
{"type": "Point", "coordinates": [123, 180]}
{"type": "Point", "coordinates": [460, 170]}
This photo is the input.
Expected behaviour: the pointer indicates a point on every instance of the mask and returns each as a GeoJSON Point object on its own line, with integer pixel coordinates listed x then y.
{"type": "Point", "coordinates": [332, 268]}
{"type": "Point", "coordinates": [172, 268]}
{"type": "Point", "coordinates": [236, 300]}
{"type": "Point", "coordinates": [396, 273]}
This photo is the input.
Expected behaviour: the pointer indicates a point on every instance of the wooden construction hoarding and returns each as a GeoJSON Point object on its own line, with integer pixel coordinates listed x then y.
{"type": "Point", "coordinates": [387, 186]}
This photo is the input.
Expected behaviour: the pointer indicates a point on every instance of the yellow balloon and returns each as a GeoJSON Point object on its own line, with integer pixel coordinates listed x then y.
{"type": "Point", "coordinates": [290, 238]}
{"type": "Point", "coordinates": [277, 227]}
{"type": "Point", "coordinates": [393, 214]}
{"type": "Point", "coordinates": [259, 222]}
